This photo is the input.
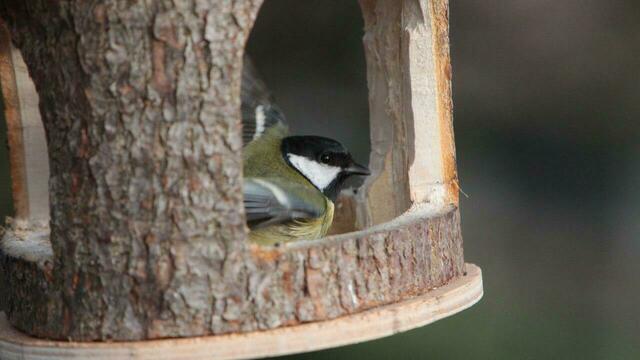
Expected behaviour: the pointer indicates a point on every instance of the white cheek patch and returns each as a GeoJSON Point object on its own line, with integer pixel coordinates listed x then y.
{"type": "Point", "coordinates": [321, 175]}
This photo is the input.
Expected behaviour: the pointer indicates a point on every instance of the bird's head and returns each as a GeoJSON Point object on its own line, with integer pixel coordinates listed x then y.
{"type": "Point", "coordinates": [325, 162]}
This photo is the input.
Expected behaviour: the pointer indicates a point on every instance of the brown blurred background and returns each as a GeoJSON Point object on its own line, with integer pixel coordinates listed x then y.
{"type": "Point", "coordinates": [547, 99]}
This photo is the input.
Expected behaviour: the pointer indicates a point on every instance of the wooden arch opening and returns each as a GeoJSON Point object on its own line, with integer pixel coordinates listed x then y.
{"type": "Point", "coordinates": [147, 233]}
{"type": "Point", "coordinates": [28, 159]}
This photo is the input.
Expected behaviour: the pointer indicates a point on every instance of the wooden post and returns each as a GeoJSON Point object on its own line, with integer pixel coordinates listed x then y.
{"type": "Point", "coordinates": [140, 103]}
{"type": "Point", "coordinates": [409, 73]}
{"type": "Point", "coordinates": [26, 138]}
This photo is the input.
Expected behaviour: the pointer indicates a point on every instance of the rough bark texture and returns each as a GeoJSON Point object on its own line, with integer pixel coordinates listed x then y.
{"type": "Point", "coordinates": [457, 295]}
{"type": "Point", "coordinates": [140, 102]}
{"type": "Point", "coordinates": [353, 272]}
{"type": "Point", "coordinates": [310, 281]}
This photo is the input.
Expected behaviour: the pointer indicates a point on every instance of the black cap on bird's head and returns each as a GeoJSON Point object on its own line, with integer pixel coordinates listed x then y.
{"type": "Point", "coordinates": [324, 162]}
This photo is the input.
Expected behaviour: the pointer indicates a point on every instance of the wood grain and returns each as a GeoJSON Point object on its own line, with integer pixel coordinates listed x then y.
{"type": "Point", "coordinates": [27, 143]}
{"type": "Point", "coordinates": [11, 103]}
{"type": "Point", "coordinates": [379, 322]}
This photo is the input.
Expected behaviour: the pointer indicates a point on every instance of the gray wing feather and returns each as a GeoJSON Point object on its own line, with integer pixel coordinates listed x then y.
{"type": "Point", "coordinates": [259, 112]}
{"type": "Point", "coordinates": [267, 203]}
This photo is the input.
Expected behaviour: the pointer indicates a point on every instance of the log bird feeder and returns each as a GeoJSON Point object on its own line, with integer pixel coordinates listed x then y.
{"type": "Point", "coordinates": [129, 239]}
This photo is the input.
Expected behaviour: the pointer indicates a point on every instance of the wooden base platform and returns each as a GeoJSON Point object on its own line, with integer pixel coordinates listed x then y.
{"type": "Point", "coordinates": [368, 325]}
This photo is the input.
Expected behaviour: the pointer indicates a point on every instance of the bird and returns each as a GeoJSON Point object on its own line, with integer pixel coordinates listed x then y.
{"type": "Point", "coordinates": [291, 182]}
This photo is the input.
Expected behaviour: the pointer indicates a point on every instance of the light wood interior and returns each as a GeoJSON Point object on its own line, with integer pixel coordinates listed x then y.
{"type": "Point", "coordinates": [409, 77]}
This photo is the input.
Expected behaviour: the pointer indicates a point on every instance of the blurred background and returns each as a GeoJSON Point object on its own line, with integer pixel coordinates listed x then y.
{"type": "Point", "coordinates": [547, 99]}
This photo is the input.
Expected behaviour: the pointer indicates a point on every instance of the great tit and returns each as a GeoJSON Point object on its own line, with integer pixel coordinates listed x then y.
{"type": "Point", "coordinates": [290, 182]}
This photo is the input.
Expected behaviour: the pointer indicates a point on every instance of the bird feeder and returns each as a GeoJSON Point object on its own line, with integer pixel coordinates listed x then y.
{"type": "Point", "coordinates": [129, 239]}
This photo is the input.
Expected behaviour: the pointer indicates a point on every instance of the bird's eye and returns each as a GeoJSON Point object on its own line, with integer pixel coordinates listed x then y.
{"type": "Point", "coordinates": [325, 158]}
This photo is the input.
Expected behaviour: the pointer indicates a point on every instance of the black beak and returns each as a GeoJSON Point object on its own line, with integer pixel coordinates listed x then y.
{"type": "Point", "coordinates": [357, 169]}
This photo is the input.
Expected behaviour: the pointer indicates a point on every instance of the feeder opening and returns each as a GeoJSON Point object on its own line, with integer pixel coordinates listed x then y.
{"type": "Point", "coordinates": [288, 51]}
{"type": "Point", "coordinates": [26, 232]}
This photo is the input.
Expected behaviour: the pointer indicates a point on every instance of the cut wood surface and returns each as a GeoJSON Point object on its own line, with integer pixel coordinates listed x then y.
{"type": "Point", "coordinates": [379, 322]}
{"type": "Point", "coordinates": [412, 159]}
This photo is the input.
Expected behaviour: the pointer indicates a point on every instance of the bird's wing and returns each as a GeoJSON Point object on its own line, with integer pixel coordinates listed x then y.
{"type": "Point", "coordinates": [259, 112]}
{"type": "Point", "coordinates": [270, 201]}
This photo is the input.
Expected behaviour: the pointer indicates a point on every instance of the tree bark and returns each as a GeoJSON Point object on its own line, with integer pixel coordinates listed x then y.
{"type": "Point", "coordinates": [140, 102]}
